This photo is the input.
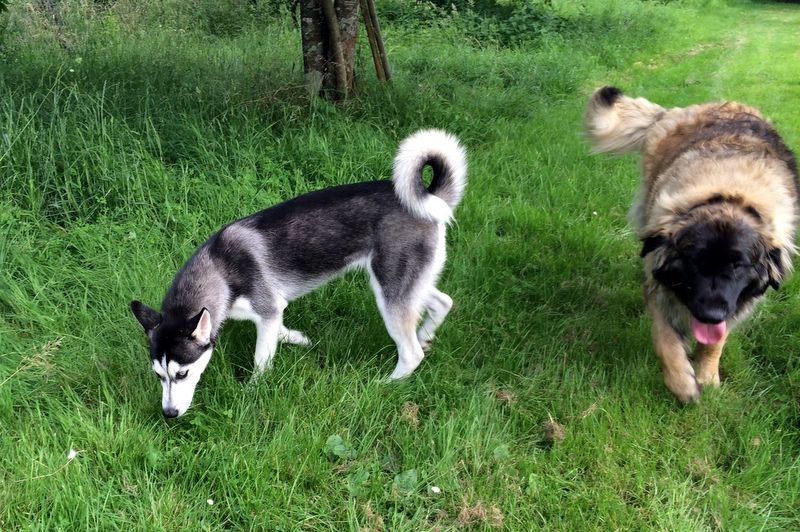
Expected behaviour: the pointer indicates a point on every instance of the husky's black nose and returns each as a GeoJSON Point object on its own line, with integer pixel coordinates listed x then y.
{"type": "Point", "coordinates": [170, 412]}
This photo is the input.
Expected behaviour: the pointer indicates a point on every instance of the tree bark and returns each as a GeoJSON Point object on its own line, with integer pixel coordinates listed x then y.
{"type": "Point", "coordinates": [329, 46]}
{"type": "Point", "coordinates": [312, 25]}
{"type": "Point", "coordinates": [347, 13]}
{"type": "Point", "coordinates": [335, 40]}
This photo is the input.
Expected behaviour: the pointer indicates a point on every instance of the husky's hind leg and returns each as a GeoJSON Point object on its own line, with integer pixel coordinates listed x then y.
{"type": "Point", "coordinates": [438, 305]}
{"type": "Point", "coordinates": [400, 297]}
{"type": "Point", "coordinates": [291, 336]}
{"type": "Point", "coordinates": [401, 323]}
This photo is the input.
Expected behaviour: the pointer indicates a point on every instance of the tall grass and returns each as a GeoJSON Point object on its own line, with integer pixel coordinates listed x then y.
{"type": "Point", "coordinates": [130, 131]}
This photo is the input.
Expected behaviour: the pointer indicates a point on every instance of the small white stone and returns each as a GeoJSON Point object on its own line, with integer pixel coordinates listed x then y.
{"type": "Point", "coordinates": [594, 213]}
{"type": "Point", "coordinates": [71, 455]}
{"type": "Point", "coordinates": [436, 489]}
{"type": "Point", "coordinates": [210, 501]}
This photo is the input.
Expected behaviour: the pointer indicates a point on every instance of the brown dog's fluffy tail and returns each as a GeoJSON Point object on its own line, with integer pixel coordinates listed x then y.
{"type": "Point", "coordinates": [617, 123]}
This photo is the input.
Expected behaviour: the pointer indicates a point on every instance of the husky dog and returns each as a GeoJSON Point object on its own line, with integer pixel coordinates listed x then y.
{"type": "Point", "coordinates": [717, 213]}
{"type": "Point", "coordinates": [252, 268]}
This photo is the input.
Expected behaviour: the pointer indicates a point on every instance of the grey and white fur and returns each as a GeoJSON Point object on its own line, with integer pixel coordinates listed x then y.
{"type": "Point", "coordinates": [252, 268]}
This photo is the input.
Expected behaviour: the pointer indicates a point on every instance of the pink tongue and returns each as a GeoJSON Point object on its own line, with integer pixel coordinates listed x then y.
{"type": "Point", "coordinates": [707, 333]}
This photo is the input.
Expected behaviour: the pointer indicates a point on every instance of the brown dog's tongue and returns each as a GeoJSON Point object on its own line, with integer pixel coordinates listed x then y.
{"type": "Point", "coordinates": [707, 333]}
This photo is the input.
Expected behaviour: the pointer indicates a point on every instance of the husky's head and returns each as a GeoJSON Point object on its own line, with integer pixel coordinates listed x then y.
{"type": "Point", "coordinates": [180, 349]}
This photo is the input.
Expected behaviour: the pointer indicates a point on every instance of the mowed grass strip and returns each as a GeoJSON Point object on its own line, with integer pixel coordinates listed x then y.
{"type": "Point", "coordinates": [132, 132]}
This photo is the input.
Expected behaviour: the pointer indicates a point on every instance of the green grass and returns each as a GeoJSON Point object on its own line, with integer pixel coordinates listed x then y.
{"type": "Point", "coordinates": [156, 124]}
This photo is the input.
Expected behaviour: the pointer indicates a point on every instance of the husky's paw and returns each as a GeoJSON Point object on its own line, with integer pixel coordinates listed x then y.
{"type": "Point", "coordinates": [254, 379]}
{"type": "Point", "coordinates": [403, 369]}
{"type": "Point", "coordinates": [683, 384]}
{"type": "Point", "coordinates": [291, 336]}
{"type": "Point", "coordinates": [395, 376]}
{"type": "Point", "coordinates": [426, 343]}
{"type": "Point", "coordinates": [260, 371]}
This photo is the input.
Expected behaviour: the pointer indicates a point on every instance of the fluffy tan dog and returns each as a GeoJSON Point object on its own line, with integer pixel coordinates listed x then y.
{"type": "Point", "coordinates": [716, 213]}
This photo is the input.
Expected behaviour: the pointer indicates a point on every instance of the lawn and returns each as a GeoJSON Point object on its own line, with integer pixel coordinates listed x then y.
{"type": "Point", "coordinates": [130, 131]}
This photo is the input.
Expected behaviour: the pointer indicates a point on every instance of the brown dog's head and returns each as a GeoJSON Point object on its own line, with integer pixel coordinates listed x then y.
{"type": "Point", "coordinates": [715, 263]}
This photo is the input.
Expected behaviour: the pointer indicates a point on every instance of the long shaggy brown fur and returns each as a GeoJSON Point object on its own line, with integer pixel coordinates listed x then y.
{"type": "Point", "coordinates": [716, 212]}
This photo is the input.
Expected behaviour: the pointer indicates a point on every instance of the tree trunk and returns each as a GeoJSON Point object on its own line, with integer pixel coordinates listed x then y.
{"type": "Point", "coordinates": [313, 36]}
{"type": "Point", "coordinates": [347, 13]}
{"type": "Point", "coordinates": [327, 34]}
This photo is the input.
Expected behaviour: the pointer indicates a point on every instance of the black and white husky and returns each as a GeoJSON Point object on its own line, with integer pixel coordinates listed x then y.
{"type": "Point", "coordinates": [252, 268]}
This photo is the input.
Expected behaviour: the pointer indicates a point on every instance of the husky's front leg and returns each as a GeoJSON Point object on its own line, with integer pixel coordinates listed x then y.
{"type": "Point", "coordinates": [267, 331]}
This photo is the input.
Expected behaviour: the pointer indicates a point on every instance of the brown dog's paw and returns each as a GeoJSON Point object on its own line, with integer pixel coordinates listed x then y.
{"type": "Point", "coordinates": [684, 385]}
{"type": "Point", "coordinates": [708, 378]}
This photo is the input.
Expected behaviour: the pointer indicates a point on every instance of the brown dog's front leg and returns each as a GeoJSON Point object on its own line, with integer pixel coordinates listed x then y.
{"type": "Point", "coordinates": [678, 371]}
{"type": "Point", "coordinates": [706, 362]}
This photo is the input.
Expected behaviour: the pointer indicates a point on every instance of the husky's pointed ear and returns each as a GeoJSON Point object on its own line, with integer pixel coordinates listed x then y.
{"type": "Point", "coordinates": [775, 267]}
{"type": "Point", "coordinates": [201, 330]}
{"type": "Point", "coordinates": [149, 318]}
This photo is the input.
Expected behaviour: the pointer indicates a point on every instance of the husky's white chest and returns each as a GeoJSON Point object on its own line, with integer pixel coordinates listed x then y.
{"type": "Point", "coordinates": [242, 310]}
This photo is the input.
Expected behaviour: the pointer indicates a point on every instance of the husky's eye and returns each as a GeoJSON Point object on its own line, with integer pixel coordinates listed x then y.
{"type": "Point", "coordinates": [181, 375]}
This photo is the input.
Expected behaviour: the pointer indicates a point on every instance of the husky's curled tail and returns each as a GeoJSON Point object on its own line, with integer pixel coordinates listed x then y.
{"type": "Point", "coordinates": [447, 158]}
{"type": "Point", "coordinates": [617, 123]}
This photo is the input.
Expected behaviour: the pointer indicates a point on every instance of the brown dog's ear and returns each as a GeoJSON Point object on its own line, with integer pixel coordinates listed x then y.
{"type": "Point", "coordinates": [775, 267]}
{"type": "Point", "coordinates": [652, 243]}
{"type": "Point", "coordinates": [148, 318]}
